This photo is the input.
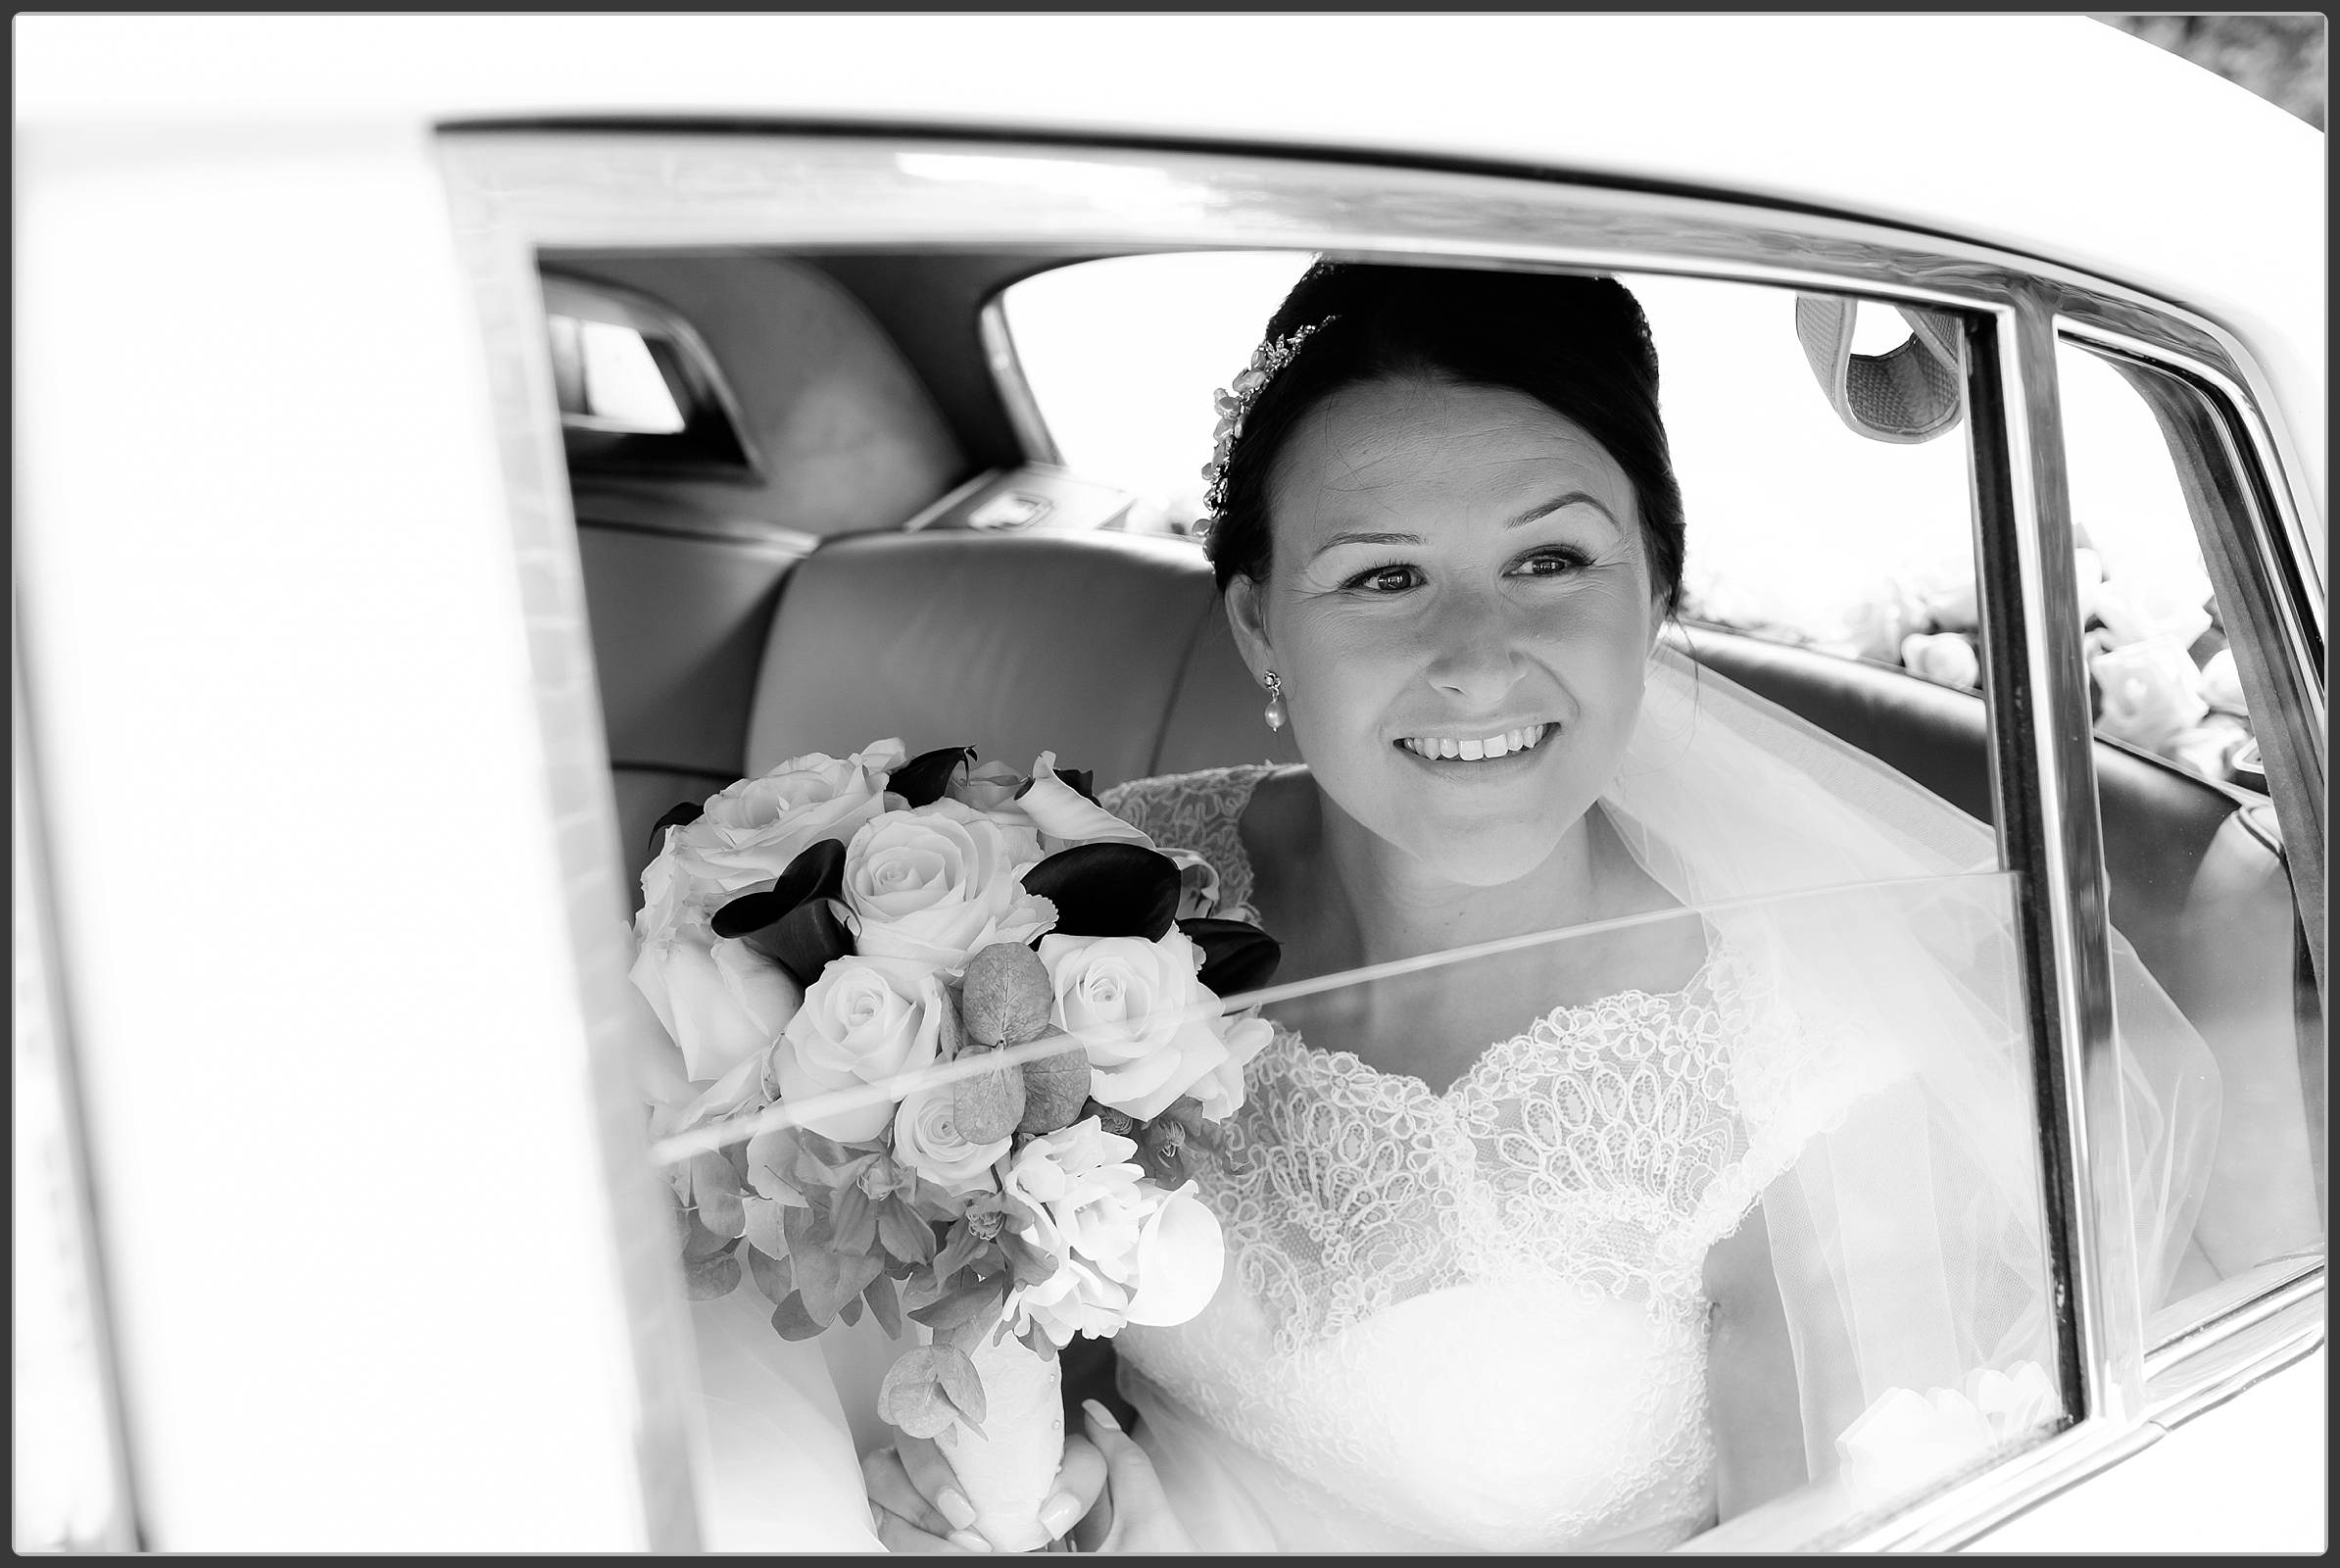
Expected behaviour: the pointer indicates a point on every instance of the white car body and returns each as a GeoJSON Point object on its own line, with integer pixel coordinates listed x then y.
{"type": "Point", "coordinates": [308, 810]}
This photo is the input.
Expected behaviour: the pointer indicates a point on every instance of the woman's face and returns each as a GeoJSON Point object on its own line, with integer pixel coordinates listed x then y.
{"type": "Point", "coordinates": [1460, 608]}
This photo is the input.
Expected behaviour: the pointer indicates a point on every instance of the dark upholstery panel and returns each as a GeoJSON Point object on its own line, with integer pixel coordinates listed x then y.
{"type": "Point", "coordinates": [1012, 644]}
{"type": "Point", "coordinates": [679, 624]}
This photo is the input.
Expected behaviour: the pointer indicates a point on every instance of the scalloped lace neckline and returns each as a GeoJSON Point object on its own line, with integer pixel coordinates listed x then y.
{"type": "Point", "coordinates": [1482, 1071]}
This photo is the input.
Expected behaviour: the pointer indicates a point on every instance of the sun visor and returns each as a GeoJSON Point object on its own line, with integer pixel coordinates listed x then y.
{"type": "Point", "coordinates": [1913, 393]}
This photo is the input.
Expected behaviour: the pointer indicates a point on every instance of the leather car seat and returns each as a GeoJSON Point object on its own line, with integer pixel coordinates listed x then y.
{"type": "Point", "coordinates": [1108, 649]}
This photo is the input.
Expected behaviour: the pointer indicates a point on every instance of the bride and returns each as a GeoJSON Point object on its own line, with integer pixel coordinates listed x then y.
{"type": "Point", "coordinates": [1748, 1165]}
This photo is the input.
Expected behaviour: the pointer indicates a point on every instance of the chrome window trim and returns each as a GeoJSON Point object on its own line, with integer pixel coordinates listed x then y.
{"type": "Point", "coordinates": [2211, 1363]}
{"type": "Point", "coordinates": [1032, 434]}
{"type": "Point", "coordinates": [2046, 810]}
{"type": "Point", "coordinates": [514, 189]}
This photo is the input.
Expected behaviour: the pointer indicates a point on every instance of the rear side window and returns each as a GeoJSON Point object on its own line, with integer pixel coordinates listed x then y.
{"type": "Point", "coordinates": [639, 392]}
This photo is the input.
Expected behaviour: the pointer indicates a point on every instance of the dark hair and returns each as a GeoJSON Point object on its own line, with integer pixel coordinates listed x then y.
{"type": "Point", "coordinates": [1580, 346]}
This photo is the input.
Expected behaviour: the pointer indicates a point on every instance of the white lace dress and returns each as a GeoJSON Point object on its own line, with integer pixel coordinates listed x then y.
{"type": "Point", "coordinates": [1469, 1320]}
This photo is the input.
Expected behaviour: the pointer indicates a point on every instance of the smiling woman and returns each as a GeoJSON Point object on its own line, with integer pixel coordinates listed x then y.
{"type": "Point", "coordinates": [1627, 1031]}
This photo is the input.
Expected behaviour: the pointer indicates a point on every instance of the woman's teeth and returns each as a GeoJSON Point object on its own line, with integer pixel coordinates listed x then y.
{"type": "Point", "coordinates": [1493, 746]}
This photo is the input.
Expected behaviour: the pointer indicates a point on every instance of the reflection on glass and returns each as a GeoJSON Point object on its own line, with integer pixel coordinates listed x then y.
{"type": "Point", "coordinates": [1732, 1235]}
{"type": "Point", "coordinates": [2196, 866]}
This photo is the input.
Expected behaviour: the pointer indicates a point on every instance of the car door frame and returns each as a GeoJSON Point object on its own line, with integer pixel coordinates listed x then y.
{"type": "Point", "coordinates": [519, 186]}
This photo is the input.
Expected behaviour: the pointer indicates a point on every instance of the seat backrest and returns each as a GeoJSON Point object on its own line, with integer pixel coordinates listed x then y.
{"type": "Point", "coordinates": [1108, 649]}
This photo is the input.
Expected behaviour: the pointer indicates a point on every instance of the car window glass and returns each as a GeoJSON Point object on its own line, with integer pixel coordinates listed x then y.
{"type": "Point", "coordinates": [1651, 1148]}
{"type": "Point", "coordinates": [2193, 850]}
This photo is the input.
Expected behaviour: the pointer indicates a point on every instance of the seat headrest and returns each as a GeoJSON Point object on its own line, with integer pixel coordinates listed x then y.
{"type": "Point", "coordinates": [1108, 649]}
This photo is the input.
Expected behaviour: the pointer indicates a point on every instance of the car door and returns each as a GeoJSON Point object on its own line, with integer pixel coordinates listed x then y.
{"type": "Point", "coordinates": [2043, 770]}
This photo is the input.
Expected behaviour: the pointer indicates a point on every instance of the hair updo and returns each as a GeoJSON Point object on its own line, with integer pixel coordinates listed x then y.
{"type": "Point", "coordinates": [1580, 346]}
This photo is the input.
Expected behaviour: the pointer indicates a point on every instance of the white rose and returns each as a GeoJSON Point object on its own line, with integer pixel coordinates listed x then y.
{"type": "Point", "coordinates": [1181, 1257]}
{"type": "Point", "coordinates": [720, 999]}
{"type": "Point", "coordinates": [712, 998]}
{"type": "Point", "coordinates": [1065, 817]}
{"type": "Point", "coordinates": [927, 1139]}
{"type": "Point", "coordinates": [752, 830]}
{"type": "Point", "coordinates": [937, 883]}
{"type": "Point", "coordinates": [1943, 656]}
{"type": "Point", "coordinates": [1148, 1024]}
{"type": "Point", "coordinates": [1219, 1092]}
{"type": "Point", "coordinates": [2221, 683]}
{"type": "Point", "coordinates": [863, 1020]}
{"type": "Point", "coordinates": [2168, 608]}
{"type": "Point", "coordinates": [2151, 691]}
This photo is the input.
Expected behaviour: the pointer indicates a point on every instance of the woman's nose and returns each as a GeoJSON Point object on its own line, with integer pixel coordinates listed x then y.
{"type": "Point", "coordinates": [1474, 654]}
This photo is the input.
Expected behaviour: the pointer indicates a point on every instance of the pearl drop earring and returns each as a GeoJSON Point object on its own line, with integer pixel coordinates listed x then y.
{"type": "Point", "coordinates": [1275, 703]}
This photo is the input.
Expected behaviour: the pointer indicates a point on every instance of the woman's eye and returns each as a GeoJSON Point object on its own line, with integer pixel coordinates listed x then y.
{"type": "Point", "coordinates": [1385, 580]}
{"type": "Point", "coordinates": [1553, 563]}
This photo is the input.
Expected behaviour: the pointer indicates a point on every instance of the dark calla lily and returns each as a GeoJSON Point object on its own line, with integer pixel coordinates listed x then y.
{"type": "Point", "coordinates": [1109, 890]}
{"type": "Point", "coordinates": [922, 779]}
{"type": "Point", "coordinates": [1235, 957]}
{"type": "Point", "coordinates": [680, 816]}
{"type": "Point", "coordinates": [794, 923]}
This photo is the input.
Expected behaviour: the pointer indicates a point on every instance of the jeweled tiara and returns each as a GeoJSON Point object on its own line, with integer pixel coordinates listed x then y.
{"type": "Point", "coordinates": [1235, 401]}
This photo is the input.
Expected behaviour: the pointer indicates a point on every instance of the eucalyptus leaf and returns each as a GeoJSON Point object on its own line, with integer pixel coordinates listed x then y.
{"type": "Point", "coordinates": [962, 1305]}
{"type": "Point", "coordinates": [959, 1248]}
{"type": "Point", "coordinates": [711, 1278]}
{"type": "Point", "coordinates": [854, 1218]}
{"type": "Point", "coordinates": [851, 1313]}
{"type": "Point", "coordinates": [884, 1305]}
{"type": "Point", "coordinates": [772, 1275]}
{"type": "Point", "coordinates": [962, 1386]}
{"type": "Point", "coordinates": [771, 1157]}
{"type": "Point", "coordinates": [912, 1395]}
{"type": "Point", "coordinates": [714, 1193]}
{"type": "Point", "coordinates": [790, 1320]}
{"type": "Point", "coordinates": [1032, 1265]}
{"type": "Point", "coordinates": [904, 1234]}
{"type": "Point", "coordinates": [762, 1225]}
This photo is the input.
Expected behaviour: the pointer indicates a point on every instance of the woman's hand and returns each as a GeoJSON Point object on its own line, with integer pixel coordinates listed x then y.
{"type": "Point", "coordinates": [1134, 1515]}
{"type": "Point", "coordinates": [916, 1502]}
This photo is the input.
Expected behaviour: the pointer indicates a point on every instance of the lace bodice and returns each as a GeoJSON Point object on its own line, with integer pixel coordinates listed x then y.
{"type": "Point", "coordinates": [1471, 1318]}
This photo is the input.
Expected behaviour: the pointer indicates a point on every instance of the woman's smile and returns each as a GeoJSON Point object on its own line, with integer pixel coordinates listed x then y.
{"type": "Point", "coordinates": [1514, 745]}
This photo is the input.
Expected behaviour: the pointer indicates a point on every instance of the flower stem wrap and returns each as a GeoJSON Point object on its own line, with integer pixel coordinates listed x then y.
{"type": "Point", "coordinates": [1009, 1472]}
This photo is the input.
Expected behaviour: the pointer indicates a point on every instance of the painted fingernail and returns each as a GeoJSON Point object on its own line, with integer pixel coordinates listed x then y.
{"type": "Point", "coordinates": [955, 1507]}
{"type": "Point", "coordinates": [968, 1540]}
{"type": "Point", "coordinates": [1059, 1513]}
{"type": "Point", "coordinates": [1099, 1414]}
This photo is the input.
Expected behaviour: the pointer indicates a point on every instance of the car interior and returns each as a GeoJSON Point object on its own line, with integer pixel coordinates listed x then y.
{"type": "Point", "coordinates": [878, 551]}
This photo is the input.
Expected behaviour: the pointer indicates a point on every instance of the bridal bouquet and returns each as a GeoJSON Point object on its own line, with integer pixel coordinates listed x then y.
{"type": "Point", "coordinates": [960, 1031]}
